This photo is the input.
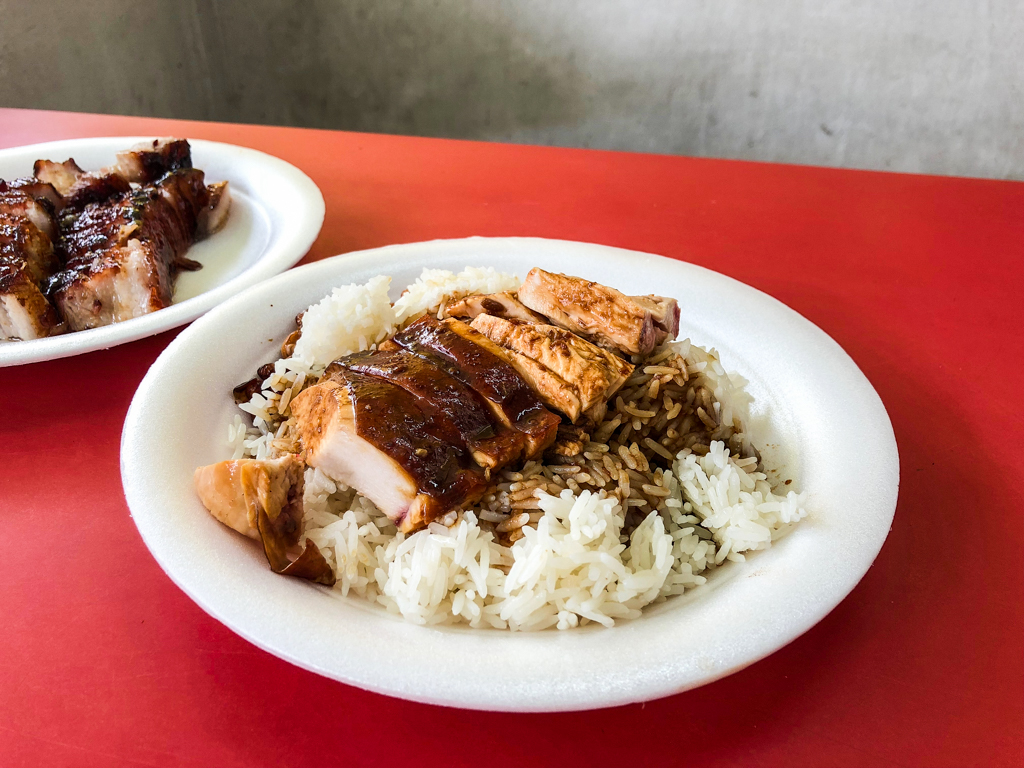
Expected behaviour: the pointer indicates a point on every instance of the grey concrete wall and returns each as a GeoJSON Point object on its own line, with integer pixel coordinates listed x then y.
{"type": "Point", "coordinates": [933, 86]}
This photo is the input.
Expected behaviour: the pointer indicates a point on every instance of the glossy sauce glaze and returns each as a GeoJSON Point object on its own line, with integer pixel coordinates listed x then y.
{"type": "Point", "coordinates": [467, 355]}
{"type": "Point", "coordinates": [450, 404]}
{"type": "Point", "coordinates": [389, 418]}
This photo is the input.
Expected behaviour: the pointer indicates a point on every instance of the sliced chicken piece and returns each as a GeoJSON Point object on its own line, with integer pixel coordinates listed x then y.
{"type": "Point", "coordinates": [372, 436]}
{"type": "Point", "coordinates": [569, 373]}
{"type": "Point", "coordinates": [152, 160]}
{"type": "Point", "coordinates": [77, 187]}
{"type": "Point", "coordinates": [633, 325]}
{"type": "Point", "coordinates": [504, 304]}
{"type": "Point", "coordinates": [123, 255]}
{"type": "Point", "coordinates": [478, 363]}
{"type": "Point", "coordinates": [665, 313]}
{"type": "Point", "coordinates": [454, 408]}
{"type": "Point", "coordinates": [262, 499]}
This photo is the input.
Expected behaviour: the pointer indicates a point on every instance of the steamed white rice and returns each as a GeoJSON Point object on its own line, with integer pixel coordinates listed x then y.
{"type": "Point", "coordinates": [577, 561]}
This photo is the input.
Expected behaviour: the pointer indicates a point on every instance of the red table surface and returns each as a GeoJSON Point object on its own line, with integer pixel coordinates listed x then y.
{"type": "Point", "coordinates": [920, 279]}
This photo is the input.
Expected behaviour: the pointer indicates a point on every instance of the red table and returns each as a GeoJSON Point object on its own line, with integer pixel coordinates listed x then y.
{"type": "Point", "coordinates": [920, 279]}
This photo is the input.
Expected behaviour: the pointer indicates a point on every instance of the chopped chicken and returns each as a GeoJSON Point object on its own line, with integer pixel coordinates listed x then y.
{"type": "Point", "coordinates": [150, 161]}
{"type": "Point", "coordinates": [665, 313]}
{"type": "Point", "coordinates": [123, 254]}
{"type": "Point", "coordinates": [263, 500]}
{"type": "Point", "coordinates": [458, 411]}
{"type": "Point", "coordinates": [504, 304]}
{"type": "Point", "coordinates": [372, 436]}
{"type": "Point", "coordinates": [634, 325]}
{"type": "Point", "coordinates": [478, 363]}
{"type": "Point", "coordinates": [569, 373]}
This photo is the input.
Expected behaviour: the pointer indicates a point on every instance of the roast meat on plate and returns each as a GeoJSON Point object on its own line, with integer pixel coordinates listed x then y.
{"type": "Point", "coordinates": [81, 249]}
{"type": "Point", "coordinates": [634, 325]}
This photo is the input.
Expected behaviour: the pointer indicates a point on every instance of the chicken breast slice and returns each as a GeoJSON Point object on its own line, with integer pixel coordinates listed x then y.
{"type": "Point", "coordinates": [372, 436]}
{"type": "Point", "coordinates": [450, 404]}
{"type": "Point", "coordinates": [634, 325]}
{"type": "Point", "coordinates": [481, 365]}
{"type": "Point", "coordinates": [262, 499]}
{"type": "Point", "coordinates": [235, 491]}
{"type": "Point", "coordinates": [569, 373]}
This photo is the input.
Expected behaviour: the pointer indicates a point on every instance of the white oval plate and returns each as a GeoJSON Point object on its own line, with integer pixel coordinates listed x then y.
{"type": "Point", "coordinates": [276, 214]}
{"type": "Point", "coordinates": [812, 400]}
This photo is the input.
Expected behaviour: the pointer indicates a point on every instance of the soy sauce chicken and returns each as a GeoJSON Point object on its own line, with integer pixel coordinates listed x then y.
{"type": "Point", "coordinates": [373, 436]}
{"type": "Point", "coordinates": [422, 424]}
{"type": "Point", "coordinates": [634, 325]}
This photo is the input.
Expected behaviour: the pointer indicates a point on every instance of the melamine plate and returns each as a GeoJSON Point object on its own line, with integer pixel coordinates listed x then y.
{"type": "Point", "coordinates": [276, 214]}
{"type": "Point", "coordinates": [816, 413]}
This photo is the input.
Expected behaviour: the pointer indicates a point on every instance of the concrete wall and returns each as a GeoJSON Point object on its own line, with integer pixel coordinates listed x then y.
{"type": "Point", "coordinates": [933, 86]}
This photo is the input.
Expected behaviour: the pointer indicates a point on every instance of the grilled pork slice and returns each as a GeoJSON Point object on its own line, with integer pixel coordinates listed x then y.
{"type": "Point", "coordinates": [504, 304]}
{"type": "Point", "coordinates": [632, 324]}
{"type": "Point", "coordinates": [150, 161]}
{"type": "Point", "coordinates": [453, 407]}
{"type": "Point", "coordinates": [570, 374]}
{"type": "Point", "coordinates": [32, 200]}
{"type": "Point", "coordinates": [478, 363]}
{"type": "Point", "coordinates": [27, 260]}
{"type": "Point", "coordinates": [215, 214]}
{"type": "Point", "coordinates": [123, 255]}
{"type": "Point", "coordinates": [372, 436]}
{"type": "Point", "coordinates": [262, 499]}
{"type": "Point", "coordinates": [24, 311]}
{"type": "Point", "coordinates": [77, 187]}
{"type": "Point", "coordinates": [39, 191]}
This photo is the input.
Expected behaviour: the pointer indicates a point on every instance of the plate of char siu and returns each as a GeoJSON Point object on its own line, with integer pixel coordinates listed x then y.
{"type": "Point", "coordinates": [109, 240]}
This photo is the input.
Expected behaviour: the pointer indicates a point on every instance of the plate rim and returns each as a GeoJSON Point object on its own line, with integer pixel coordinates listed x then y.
{"type": "Point", "coordinates": [285, 249]}
{"type": "Point", "coordinates": [525, 703]}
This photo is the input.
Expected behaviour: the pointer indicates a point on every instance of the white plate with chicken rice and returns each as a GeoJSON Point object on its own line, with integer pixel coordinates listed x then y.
{"type": "Point", "coordinates": [732, 489]}
{"type": "Point", "coordinates": [275, 214]}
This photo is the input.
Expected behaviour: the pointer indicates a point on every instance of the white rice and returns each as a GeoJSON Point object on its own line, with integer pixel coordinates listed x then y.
{"type": "Point", "coordinates": [575, 565]}
{"type": "Point", "coordinates": [436, 287]}
{"type": "Point", "coordinates": [573, 568]}
{"type": "Point", "coordinates": [349, 320]}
